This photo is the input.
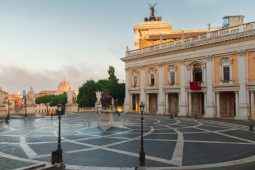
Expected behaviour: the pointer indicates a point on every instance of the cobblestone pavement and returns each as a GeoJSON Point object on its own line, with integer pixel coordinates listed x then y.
{"type": "Point", "coordinates": [177, 143]}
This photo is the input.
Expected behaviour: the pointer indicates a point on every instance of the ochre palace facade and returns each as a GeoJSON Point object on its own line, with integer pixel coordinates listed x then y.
{"type": "Point", "coordinates": [206, 73]}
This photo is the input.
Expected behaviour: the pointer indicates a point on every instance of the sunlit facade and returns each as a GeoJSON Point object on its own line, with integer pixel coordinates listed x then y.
{"type": "Point", "coordinates": [211, 74]}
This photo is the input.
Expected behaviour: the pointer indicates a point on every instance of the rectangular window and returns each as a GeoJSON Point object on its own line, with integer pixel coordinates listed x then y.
{"type": "Point", "coordinates": [172, 78]}
{"type": "Point", "coordinates": [135, 81]}
{"type": "Point", "coordinates": [152, 80]}
{"type": "Point", "coordinates": [226, 75]}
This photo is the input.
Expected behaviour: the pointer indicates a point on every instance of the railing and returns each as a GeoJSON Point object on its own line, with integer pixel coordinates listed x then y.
{"type": "Point", "coordinates": [134, 87]}
{"type": "Point", "coordinates": [225, 83]}
{"type": "Point", "coordinates": [187, 84]}
{"type": "Point", "coordinates": [171, 85]}
{"type": "Point", "coordinates": [194, 39]}
{"type": "Point", "coordinates": [251, 81]}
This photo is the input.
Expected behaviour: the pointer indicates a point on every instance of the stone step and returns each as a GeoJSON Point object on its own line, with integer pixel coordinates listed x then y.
{"type": "Point", "coordinates": [38, 166]}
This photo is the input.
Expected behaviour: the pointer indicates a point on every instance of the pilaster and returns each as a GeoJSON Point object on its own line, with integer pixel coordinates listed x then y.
{"type": "Point", "coordinates": [217, 104]}
{"type": "Point", "coordinates": [127, 95]}
{"type": "Point", "coordinates": [209, 84]}
{"type": "Point", "coordinates": [167, 103]}
{"type": "Point", "coordinates": [161, 100]}
{"type": "Point", "coordinates": [183, 105]}
{"type": "Point", "coordinates": [252, 105]}
{"type": "Point", "coordinates": [242, 105]}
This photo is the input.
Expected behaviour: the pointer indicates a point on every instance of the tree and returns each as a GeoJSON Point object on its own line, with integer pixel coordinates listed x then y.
{"type": "Point", "coordinates": [121, 94]}
{"type": "Point", "coordinates": [51, 100]}
{"type": "Point", "coordinates": [87, 94]}
{"type": "Point", "coordinates": [59, 99]}
{"type": "Point", "coordinates": [111, 73]}
{"type": "Point", "coordinates": [102, 84]}
{"type": "Point", "coordinates": [117, 91]}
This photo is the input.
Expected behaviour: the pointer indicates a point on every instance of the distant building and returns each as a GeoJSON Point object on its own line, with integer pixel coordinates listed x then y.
{"type": "Point", "coordinates": [209, 74]}
{"type": "Point", "coordinates": [63, 87]}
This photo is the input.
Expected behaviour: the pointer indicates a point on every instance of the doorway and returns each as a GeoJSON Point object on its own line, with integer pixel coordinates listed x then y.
{"type": "Point", "coordinates": [227, 104]}
{"type": "Point", "coordinates": [153, 103]}
{"type": "Point", "coordinates": [173, 103]}
{"type": "Point", "coordinates": [197, 103]}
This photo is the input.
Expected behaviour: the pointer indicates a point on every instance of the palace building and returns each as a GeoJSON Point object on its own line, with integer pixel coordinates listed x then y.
{"type": "Point", "coordinates": [208, 73]}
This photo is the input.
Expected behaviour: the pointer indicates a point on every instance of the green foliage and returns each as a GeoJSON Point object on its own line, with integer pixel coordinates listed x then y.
{"type": "Point", "coordinates": [59, 99]}
{"type": "Point", "coordinates": [102, 84]}
{"type": "Point", "coordinates": [87, 94]}
{"type": "Point", "coordinates": [51, 100]}
{"type": "Point", "coordinates": [111, 73]}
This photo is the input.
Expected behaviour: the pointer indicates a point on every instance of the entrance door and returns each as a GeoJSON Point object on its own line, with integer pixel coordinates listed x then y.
{"type": "Point", "coordinates": [173, 101]}
{"type": "Point", "coordinates": [135, 102]}
{"type": "Point", "coordinates": [153, 103]}
{"type": "Point", "coordinates": [227, 104]}
{"type": "Point", "coordinates": [197, 103]}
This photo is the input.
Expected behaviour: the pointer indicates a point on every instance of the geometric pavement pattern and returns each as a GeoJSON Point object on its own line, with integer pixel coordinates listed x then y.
{"type": "Point", "coordinates": [169, 143]}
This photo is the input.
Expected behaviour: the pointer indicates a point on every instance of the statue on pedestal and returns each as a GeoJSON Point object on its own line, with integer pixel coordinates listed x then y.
{"type": "Point", "coordinates": [106, 99]}
{"type": "Point", "coordinates": [98, 95]}
{"type": "Point", "coordinates": [31, 97]}
{"type": "Point", "coordinates": [70, 96]}
{"type": "Point", "coordinates": [106, 114]}
{"type": "Point", "coordinates": [2, 97]}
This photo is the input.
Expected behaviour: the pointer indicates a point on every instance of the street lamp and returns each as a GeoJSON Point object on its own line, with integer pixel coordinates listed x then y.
{"type": "Point", "coordinates": [7, 119]}
{"type": "Point", "coordinates": [142, 153]}
{"type": "Point", "coordinates": [25, 102]}
{"type": "Point", "coordinates": [57, 157]}
{"type": "Point", "coordinates": [251, 124]}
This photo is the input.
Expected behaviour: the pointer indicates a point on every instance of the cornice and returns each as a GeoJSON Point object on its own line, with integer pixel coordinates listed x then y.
{"type": "Point", "coordinates": [189, 47]}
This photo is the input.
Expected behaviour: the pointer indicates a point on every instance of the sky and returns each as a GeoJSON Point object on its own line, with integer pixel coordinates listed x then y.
{"type": "Point", "coordinates": [43, 41]}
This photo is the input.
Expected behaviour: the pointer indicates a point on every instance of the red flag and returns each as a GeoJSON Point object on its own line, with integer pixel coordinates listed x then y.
{"type": "Point", "coordinates": [195, 85]}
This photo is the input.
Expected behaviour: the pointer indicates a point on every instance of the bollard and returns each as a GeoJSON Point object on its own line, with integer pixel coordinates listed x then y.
{"type": "Point", "coordinates": [251, 127]}
{"type": "Point", "coordinates": [171, 116]}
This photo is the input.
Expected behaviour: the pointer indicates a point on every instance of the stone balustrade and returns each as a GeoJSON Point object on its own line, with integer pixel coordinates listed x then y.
{"type": "Point", "coordinates": [211, 37]}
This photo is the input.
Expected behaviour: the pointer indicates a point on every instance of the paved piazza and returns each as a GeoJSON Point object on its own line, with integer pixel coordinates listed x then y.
{"type": "Point", "coordinates": [169, 143]}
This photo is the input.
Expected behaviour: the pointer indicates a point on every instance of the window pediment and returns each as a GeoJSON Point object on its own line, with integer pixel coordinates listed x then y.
{"type": "Point", "coordinates": [226, 61]}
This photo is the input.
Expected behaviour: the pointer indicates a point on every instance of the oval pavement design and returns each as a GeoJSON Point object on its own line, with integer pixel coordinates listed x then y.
{"type": "Point", "coordinates": [179, 143]}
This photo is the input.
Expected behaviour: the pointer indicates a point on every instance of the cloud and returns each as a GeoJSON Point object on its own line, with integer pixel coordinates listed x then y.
{"type": "Point", "coordinates": [14, 79]}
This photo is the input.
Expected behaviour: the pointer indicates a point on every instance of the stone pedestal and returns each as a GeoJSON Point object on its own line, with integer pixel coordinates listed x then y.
{"type": "Point", "coordinates": [31, 109]}
{"type": "Point", "coordinates": [71, 107]}
{"type": "Point", "coordinates": [106, 119]}
{"type": "Point", "coordinates": [2, 110]}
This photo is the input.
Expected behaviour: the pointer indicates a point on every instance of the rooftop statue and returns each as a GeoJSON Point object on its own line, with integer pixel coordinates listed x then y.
{"type": "Point", "coordinates": [152, 15]}
{"type": "Point", "coordinates": [152, 8]}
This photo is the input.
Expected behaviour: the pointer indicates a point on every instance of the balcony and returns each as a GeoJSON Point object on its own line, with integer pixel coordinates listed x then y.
{"type": "Point", "coordinates": [152, 87]}
{"type": "Point", "coordinates": [251, 81]}
{"type": "Point", "coordinates": [226, 83]}
{"type": "Point", "coordinates": [202, 39]}
{"type": "Point", "coordinates": [134, 87]}
{"type": "Point", "coordinates": [195, 85]}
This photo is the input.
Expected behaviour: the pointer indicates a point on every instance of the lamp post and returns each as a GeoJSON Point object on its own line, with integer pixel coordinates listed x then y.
{"type": "Point", "coordinates": [7, 119]}
{"type": "Point", "coordinates": [25, 102]}
{"type": "Point", "coordinates": [97, 108]}
{"type": "Point", "coordinates": [57, 157]}
{"type": "Point", "coordinates": [142, 153]}
{"type": "Point", "coordinates": [251, 124]}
